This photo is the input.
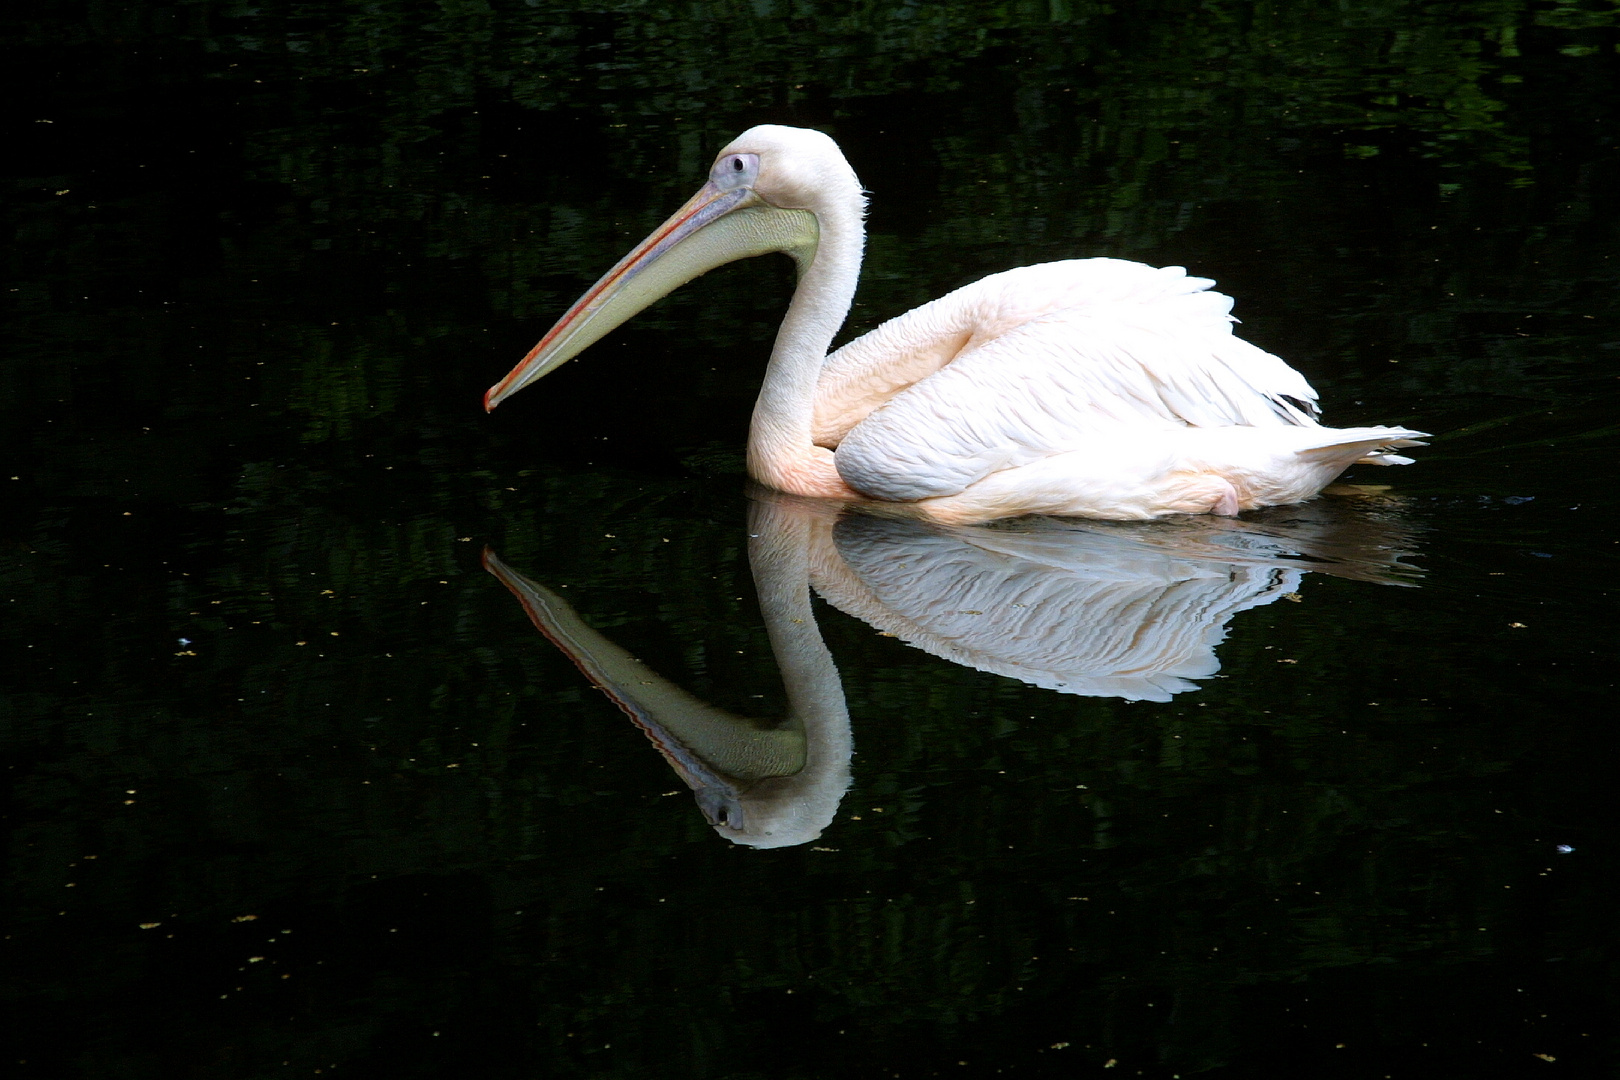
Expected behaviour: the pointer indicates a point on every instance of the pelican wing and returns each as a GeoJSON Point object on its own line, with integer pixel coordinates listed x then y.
{"type": "Point", "coordinates": [1087, 339]}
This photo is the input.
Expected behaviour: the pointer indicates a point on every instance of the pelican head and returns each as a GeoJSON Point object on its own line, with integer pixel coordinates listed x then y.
{"type": "Point", "coordinates": [778, 811]}
{"type": "Point", "coordinates": [765, 193]}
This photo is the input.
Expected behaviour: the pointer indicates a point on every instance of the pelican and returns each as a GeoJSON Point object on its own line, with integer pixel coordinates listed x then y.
{"type": "Point", "coordinates": [1090, 387]}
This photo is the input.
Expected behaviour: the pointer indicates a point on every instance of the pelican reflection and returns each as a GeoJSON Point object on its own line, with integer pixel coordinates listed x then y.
{"type": "Point", "coordinates": [1102, 609]}
{"type": "Point", "coordinates": [763, 783]}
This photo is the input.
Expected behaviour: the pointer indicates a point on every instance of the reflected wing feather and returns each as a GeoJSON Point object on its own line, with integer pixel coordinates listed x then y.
{"type": "Point", "coordinates": [1106, 617]}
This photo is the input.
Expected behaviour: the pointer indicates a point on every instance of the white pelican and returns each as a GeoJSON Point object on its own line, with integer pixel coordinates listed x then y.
{"type": "Point", "coordinates": [1092, 387]}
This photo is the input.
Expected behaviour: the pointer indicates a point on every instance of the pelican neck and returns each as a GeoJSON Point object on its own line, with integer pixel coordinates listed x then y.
{"type": "Point", "coordinates": [780, 441]}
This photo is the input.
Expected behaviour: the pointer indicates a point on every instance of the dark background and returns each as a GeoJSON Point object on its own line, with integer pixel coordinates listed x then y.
{"type": "Point", "coordinates": [259, 701]}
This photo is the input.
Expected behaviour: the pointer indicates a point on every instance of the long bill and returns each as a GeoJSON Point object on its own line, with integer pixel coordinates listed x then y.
{"type": "Point", "coordinates": [719, 224]}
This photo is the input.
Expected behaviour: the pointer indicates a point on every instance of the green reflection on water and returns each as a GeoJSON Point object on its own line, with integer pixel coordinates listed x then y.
{"type": "Point", "coordinates": [287, 256]}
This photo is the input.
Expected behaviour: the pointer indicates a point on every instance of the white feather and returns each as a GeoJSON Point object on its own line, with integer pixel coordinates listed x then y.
{"type": "Point", "coordinates": [1095, 387]}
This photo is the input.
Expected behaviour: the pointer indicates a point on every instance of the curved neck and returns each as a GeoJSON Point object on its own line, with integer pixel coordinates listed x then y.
{"type": "Point", "coordinates": [781, 451]}
{"type": "Point", "coordinates": [781, 535]}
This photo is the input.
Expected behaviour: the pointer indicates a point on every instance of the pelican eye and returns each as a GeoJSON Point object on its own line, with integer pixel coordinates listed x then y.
{"type": "Point", "coordinates": [734, 170]}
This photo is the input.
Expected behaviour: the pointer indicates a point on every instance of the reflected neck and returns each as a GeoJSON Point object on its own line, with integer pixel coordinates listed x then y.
{"type": "Point", "coordinates": [802, 805]}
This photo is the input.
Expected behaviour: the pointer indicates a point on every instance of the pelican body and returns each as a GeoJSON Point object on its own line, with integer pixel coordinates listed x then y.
{"type": "Point", "coordinates": [1090, 387]}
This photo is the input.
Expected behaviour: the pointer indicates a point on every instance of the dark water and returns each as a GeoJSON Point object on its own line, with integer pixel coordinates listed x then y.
{"type": "Point", "coordinates": [295, 787]}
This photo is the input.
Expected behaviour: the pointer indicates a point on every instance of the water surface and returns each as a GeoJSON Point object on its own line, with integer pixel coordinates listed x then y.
{"type": "Point", "coordinates": [296, 786]}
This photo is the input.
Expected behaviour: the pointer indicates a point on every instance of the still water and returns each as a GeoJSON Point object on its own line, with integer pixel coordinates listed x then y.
{"type": "Point", "coordinates": [351, 731]}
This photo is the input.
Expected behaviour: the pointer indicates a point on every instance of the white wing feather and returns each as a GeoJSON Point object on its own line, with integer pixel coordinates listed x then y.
{"type": "Point", "coordinates": [1143, 342]}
